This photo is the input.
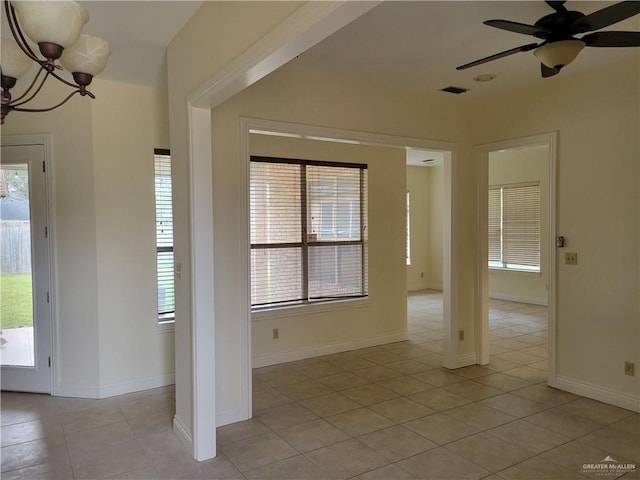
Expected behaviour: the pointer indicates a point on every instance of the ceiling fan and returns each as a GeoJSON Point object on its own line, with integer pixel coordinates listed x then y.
{"type": "Point", "coordinates": [559, 47]}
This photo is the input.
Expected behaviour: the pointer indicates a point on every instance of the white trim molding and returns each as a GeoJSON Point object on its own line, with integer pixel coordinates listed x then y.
{"type": "Point", "coordinates": [596, 392]}
{"type": "Point", "coordinates": [183, 434]}
{"type": "Point", "coordinates": [316, 351]}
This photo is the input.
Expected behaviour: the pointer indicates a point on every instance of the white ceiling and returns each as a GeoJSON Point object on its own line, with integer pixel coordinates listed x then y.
{"type": "Point", "coordinates": [138, 31]}
{"type": "Point", "coordinates": [418, 44]}
{"type": "Point", "coordinates": [415, 44]}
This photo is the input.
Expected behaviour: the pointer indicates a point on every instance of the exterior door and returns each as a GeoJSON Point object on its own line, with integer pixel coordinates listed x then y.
{"type": "Point", "coordinates": [25, 276]}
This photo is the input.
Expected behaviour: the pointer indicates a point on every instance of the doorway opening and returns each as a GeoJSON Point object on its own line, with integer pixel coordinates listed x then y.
{"type": "Point", "coordinates": [25, 267]}
{"type": "Point", "coordinates": [517, 284]}
{"type": "Point", "coordinates": [261, 128]}
{"type": "Point", "coordinates": [425, 183]}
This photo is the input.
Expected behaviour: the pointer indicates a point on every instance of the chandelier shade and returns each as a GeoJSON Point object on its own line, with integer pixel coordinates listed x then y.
{"type": "Point", "coordinates": [55, 25]}
{"type": "Point", "coordinates": [58, 22]}
{"type": "Point", "coordinates": [13, 60]}
{"type": "Point", "coordinates": [88, 55]}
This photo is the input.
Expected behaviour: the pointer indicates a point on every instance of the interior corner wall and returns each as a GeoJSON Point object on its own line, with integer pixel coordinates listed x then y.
{"type": "Point", "coordinates": [104, 260]}
{"type": "Point", "coordinates": [135, 354]}
{"type": "Point", "coordinates": [426, 185]}
{"type": "Point", "coordinates": [419, 226]}
{"type": "Point", "coordinates": [521, 166]}
{"type": "Point", "coordinates": [333, 328]}
{"type": "Point", "coordinates": [436, 209]}
{"type": "Point", "coordinates": [597, 305]}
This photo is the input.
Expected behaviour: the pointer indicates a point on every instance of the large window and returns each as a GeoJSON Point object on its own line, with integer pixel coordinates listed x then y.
{"type": "Point", "coordinates": [308, 231]}
{"type": "Point", "coordinates": [164, 236]}
{"type": "Point", "coordinates": [514, 227]}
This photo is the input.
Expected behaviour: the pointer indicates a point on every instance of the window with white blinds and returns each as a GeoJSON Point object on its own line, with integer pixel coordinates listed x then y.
{"type": "Point", "coordinates": [308, 231]}
{"type": "Point", "coordinates": [164, 236]}
{"type": "Point", "coordinates": [514, 227]}
{"type": "Point", "coordinates": [408, 227]}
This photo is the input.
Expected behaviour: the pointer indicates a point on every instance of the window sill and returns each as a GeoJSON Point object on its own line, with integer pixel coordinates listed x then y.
{"type": "Point", "coordinates": [515, 270]}
{"type": "Point", "coordinates": [166, 326]}
{"type": "Point", "coordinates": [308, 309]}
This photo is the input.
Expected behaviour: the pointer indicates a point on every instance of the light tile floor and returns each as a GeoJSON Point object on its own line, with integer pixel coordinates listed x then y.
{"type": "Point", "coordinates": [388, 412]}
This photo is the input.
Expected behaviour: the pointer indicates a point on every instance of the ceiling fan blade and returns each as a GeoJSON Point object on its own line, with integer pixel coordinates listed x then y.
{"type": "Point", "coordinates": [490, 58]}
{"type": "Point", "coordinates": [548, 71]}
{"type": "Point", "coordinates": [558, 6]}
{"type": "Point", "coordinates": [605, 17]}
{"type": "Point", "coordinates": [519, 28]}
{"type": "Point", "coordinates": [612, 39]}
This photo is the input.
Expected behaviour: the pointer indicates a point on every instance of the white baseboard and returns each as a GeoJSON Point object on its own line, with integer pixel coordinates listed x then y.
{"type": "Point", "coordinates": [602, 394]}
{"type": "Point", "coordinates": [183, 434]}
{"type": "Point", "coordinates": [463, 361]}
{"type": "Point", "coordinates": [519, 298]}
{"type": "Point", "coordinates": [231, 416]}
{"type": "Point", "coordinates": [424, 286]}
{"type": "Point", "coordinates": [316, 351]}
{"type": "Point", "coordinates": [104, 391]}
{"type": "Point", "coordinates": [76, 391]}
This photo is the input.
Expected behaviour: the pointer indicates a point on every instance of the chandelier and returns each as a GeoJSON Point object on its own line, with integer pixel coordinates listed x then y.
{"type": "Point", "coordinates": [55, 26]}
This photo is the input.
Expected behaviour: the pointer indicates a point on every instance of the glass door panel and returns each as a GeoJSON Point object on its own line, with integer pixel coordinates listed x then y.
{"type": "Point", "coordinates": [16, 279]}
{"type": "Point", "coordinates": [25, 268]}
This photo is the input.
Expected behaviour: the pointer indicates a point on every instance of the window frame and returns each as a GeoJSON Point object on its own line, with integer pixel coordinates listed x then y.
{"type": "Point", "coordinates": [308, 241]}
{"type": "Point", "coordinates": [164, 318]}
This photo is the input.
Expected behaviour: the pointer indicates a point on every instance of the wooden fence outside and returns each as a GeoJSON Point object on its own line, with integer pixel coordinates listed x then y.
{"type": "Point", "coordinates": [15, 246]}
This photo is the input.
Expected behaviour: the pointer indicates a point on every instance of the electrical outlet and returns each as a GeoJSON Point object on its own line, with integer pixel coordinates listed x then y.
{"type": "Point", "coordinates": [571, 258]}
{"type": "Point", "coordinates": [276, 333]}
{"type": "Point", "coordinates": [461, 335]}
{"type": "Point", "coordinates": [629, 368]}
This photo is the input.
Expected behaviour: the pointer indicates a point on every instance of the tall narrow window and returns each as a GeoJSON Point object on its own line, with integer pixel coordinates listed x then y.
{"type": "Point", "coordinates": [408, 252]}
{"type": "Point", "coordinates": [164, 236]}
{"type": "Point", "coordinates": [308, 231]}
{"type": "Point", "coordinates": [514, 227]}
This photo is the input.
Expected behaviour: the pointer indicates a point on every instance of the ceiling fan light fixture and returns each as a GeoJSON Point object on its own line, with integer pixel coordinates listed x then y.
{"type": "Point", "coordinates": [559, 54]}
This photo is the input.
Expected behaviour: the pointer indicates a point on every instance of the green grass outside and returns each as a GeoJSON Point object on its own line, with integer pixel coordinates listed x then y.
{"type": "Point", "coordinates": [16, 304]}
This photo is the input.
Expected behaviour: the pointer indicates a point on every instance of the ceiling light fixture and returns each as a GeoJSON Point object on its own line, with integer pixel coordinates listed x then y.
{"type": "Point", "coordinates": [559, 54]}
{"type": "Point", "coordinates": [55, 26]}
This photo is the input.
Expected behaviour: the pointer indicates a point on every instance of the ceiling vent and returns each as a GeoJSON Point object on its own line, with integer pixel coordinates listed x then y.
{"type": "Point", "coordinates": [456, 90]}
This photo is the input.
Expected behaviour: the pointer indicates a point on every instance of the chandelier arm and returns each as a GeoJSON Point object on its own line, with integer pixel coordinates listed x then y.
{"type": "Point", "coordinates": [12, 20]}
{"type": "Point", "coordinates": [66, 82]}
{"type": "Point", "coordinates": [30, 96]}
{"type": "Point", "coordinates": [18, 109]}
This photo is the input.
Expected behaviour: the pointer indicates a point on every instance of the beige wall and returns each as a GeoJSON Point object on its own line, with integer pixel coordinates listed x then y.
{"type": "Point", "coordinates": [380, 319]}
{"type": "Point", "coordinates": [520, 166]}
{"type": "Point", "coordinates": [596, 117]}
{"type": "Point", "coordinates": [104, 237]}
{"type": "Point", "coordinates": [129, 121]}
{"type": "Point", "coordinates": [426, 187]}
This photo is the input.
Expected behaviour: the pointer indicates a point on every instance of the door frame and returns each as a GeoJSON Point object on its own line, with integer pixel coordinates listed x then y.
{"type": "Point", "coordinates": [550, 140]}
{"type": "Point", "coordinates": [46, 140]}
